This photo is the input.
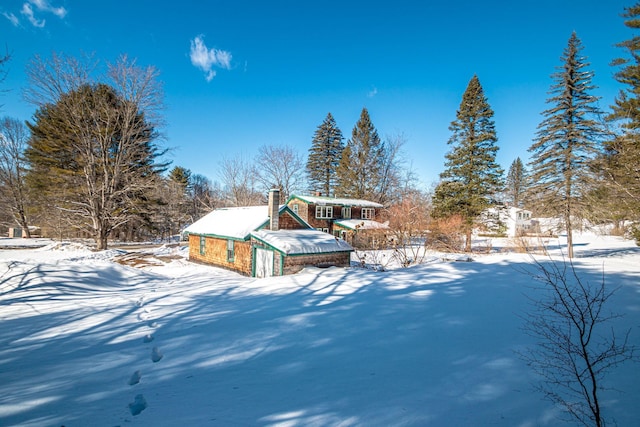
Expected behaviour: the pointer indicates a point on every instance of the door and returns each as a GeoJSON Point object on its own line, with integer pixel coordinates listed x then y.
{"type": "Point", "coordinates": [264, 262]}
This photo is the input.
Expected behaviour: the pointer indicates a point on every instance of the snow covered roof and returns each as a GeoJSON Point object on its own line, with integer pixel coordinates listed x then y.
{"type": "Point", "coordinates": [236, 223]}
{"type": "Point", "coordinates": [361, 224]}
{"type": "Point", "coordinates": [302, 242]}
{"type": "Point", "coordinates": [324, 200]}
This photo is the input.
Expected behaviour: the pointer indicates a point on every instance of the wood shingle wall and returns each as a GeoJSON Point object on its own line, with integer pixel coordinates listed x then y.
{"type": "Point", "coordinates": [216, 253]}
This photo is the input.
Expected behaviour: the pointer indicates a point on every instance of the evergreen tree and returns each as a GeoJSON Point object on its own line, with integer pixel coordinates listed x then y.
{"type": "Point", "coordinates": [622, 159]}
{"type": "Point", "coordinates": [516, 183]}
{"type": "Point", "coordinates": [91, 155]}
{"type": "Point", "coordinates": [472, 177]}
{"type": "Point", "coordinates": [361, 168]}
{"type": "Point", "coordinates": [565, 143]}
{"type": "Point", "coordinates": [324, 156]}
{"type": "Point", "coordinates": [181, 176]}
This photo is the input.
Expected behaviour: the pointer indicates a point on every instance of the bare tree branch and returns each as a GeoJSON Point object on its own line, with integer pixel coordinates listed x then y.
{"type": "Point", "coordinates": [575, 350]}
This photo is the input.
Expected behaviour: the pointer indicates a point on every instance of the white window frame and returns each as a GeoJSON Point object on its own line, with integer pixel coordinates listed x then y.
{"type": "Point", "coordinates": [295, 208]}
{"type": "Point", "coordinates": [323, 229]}
{"type": "Point", "coordinates": [367, 213]}
{"type": "Point", "coordinates": [324, 212]}
{"type": "Point", "coordinates": [230, 251]}
{"type": "Point", "coordinates": [346, 212]}
{"type": "Point", "coordinates": [203, 245]}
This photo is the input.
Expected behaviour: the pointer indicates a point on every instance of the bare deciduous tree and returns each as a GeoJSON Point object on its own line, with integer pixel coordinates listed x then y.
{"type": "Point", "coordinates": [239, 181]}
{"type": "Point", "coordinates": [13, 189]}
{"type": "Point", "coordinates": [408, 222]}
{"type": "Point", "coordinates": [576, 346]}
{"type": "Point", "coordinates": [206, 196]}
{"type": "Point", "coordinates": [392, 180]}
{"type": "Point", "coordinates": [95, 140]}
{"type": "Point", "coordinates": [3, 71]}
{"type": "Point", "coordinates": [280, 166]}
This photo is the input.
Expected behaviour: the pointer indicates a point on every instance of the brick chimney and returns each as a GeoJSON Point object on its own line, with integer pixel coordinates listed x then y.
{"type": "Point", "coordinates": [274, 207]}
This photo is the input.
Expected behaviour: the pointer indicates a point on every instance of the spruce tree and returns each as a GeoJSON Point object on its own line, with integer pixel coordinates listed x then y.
{"type": "Point", "coordinates": [566, 142]}
{"type": "Point", "coordinates": [181, 176]}
{"type": "Point", "coordinates": [361, 168]}
{"type": "Point", "coordinates": [622, 153]}
{"type": "Point", "coordinates": [516, 183]}
{"type": "Point", "coordinates": [472, 176]}
{"type": "Point", "coordinates": [324, 156]}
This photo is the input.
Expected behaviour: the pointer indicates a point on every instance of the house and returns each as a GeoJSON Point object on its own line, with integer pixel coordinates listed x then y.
{"type": "Point", "coordinates": [353, 220]}
{"type": "Point", "coordinates": [512, 221]}
{"type": "Point", "coordinates": [16, 232]}
{"type": "Point", "coordinates": [262, 241]}
{"type": "Point", "coordinates": [518, 221]}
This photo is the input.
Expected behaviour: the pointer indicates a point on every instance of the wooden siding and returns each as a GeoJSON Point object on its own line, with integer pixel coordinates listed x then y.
{"type": "Point", "coordinates": [307, 211]}
{"type": "Point", "coordinates": [288, 222]}
{"type": "Point", "coordinates": [216, 253]}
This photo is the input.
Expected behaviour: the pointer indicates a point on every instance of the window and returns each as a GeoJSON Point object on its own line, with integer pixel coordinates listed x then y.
{"type": "Point", "coordinates": [324, 211]}
{"type": "Point", "coordinates": [203, 245]}
{"type": "Point", "coordinates": [346, 212]}
{"type": "Point", "coordinates": [323, 229]}
{"type": "Point", "coordinates": [367, 213]}
{"type": "Point", "coordinates": [295, 208]}
{"type": "Point", "coordinates": [230, 252]}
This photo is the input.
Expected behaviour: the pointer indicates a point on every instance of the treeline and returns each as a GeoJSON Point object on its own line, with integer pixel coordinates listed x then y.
{"type": "Point", "coordinates": [89, 161]}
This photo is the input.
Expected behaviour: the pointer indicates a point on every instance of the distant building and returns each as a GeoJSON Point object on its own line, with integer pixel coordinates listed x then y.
{"type": "Point", "coordinates": [17, 232]}
{"type": "Point", "coordinates": [511, 220]}
{"type": "Point", "coordinates": [263, 241]}
{"type": "Point", "coordinates": [353, 220]}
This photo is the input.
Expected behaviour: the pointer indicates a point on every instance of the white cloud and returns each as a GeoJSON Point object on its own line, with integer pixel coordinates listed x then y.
{"type": "Point", "coordinates": [45, 6]}
{"type": "Point", "coordinates": [41, 6]}
{"type": "Point", "coordinates": [206, 59]}
{"type": "Point", "coordinates": [12, 18]}
{"type": "Point", "coordinates": [373, 92]}
{"type": "Point", "coordinates": [27, 11]}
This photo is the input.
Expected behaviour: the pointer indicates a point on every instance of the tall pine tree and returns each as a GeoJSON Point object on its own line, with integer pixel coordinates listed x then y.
{"type": "Point", "coordinates": [622, 164]}
{"type": "Point", "coordinates": [516, 183]}
{"type": "Point", "coordinates": [566, 142]}
{"type": "Point", "coordinates": [361, 169]}
{"type": "Point", "coordinates": [472, 176]}
{"type": "Point", "coordinates": [324, 156]}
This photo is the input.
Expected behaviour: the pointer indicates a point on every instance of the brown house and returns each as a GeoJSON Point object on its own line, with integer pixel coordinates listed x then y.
{"type": "Point", "coordinates": [353, 220]}
{"type": "Point", "coordinates": [262, 241]}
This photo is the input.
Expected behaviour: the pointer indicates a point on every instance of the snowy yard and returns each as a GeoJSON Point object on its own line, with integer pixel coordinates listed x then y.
{"type": "Point", "coordinates": [85, 340]}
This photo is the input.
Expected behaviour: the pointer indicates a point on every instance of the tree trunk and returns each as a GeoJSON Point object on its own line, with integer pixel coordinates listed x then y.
{"type": "Point", "coordinates": [101, 232]}
{"type": "Point", "coordinates": [26, 233]}
{"type": "Point", "coordinates": [568, 226]}
{"type": "Point", "coordinates": [467, 244]}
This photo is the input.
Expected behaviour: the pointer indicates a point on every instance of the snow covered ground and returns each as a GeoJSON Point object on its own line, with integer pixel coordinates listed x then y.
{"type": "Point", "coordinates": [85, 340]}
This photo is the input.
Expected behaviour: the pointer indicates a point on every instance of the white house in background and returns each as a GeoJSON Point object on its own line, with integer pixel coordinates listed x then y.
{"type": "Point", "coordinates": [514, 221]}
{"type": "Point", "coordinates": [518, 221]}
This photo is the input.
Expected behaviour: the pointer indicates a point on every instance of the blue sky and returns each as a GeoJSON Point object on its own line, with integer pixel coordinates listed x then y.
{"type": "Point", "coordinates": [241, 74]}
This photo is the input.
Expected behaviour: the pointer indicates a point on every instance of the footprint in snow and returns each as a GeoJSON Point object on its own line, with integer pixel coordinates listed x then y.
{"type": "Point", "coordinates": [147, 338]}
{"type": "Point", "coordinates": [135, 378]}
{"type": "Point", "coordinates": [156, 355]}
{"type": "Point", "coordinates": [138, 405]}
